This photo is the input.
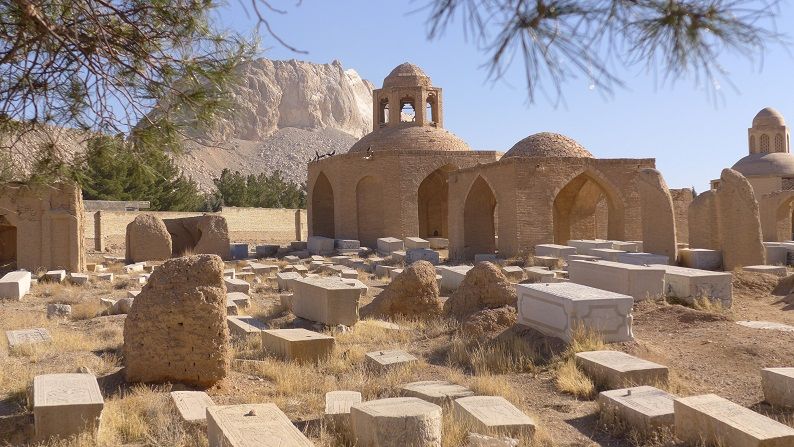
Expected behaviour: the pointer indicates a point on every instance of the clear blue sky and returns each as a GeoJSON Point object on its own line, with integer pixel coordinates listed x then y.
{"type": "Point", "coordinates": [691, 136]}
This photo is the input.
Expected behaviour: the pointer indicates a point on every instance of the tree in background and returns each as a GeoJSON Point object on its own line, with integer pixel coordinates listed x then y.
{"type": "Point", "coordinates": [113, 169]}
{"type": "Point", "coordinates": [262, 191]}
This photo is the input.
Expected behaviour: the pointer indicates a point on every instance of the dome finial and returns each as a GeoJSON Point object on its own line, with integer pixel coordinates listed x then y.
{"type": "Point", "coordinates": [768, 116]}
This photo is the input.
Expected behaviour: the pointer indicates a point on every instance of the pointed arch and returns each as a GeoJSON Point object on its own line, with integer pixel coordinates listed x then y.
{"type": "Point", "coordinates": [323, 207]}
{"type": "Point", "coordinates": [588, 207]}
{"type": "Point", "coordinates": [369, 200]}
{"type": "Point", "coordinates": [433, 203]}
{"type": "Point", "coordinates": [8, 244]}
{"type": "Point", "coordinates": [479, 219]}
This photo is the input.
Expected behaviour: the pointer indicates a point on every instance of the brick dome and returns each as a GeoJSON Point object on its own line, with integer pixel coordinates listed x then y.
{"type": "Point", "coordinates": [766, 164]}
{"type": "Point", "coordinates": [768, 117]}
{"type": "Point", "coordinates": [406, 75]}
{"type": "Point", "coordinates": [410, 138]}
{"type": "Point", "coordinates": [547, 144]}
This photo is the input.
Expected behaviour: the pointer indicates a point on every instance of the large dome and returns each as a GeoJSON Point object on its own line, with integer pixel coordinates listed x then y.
{"type": "Point", "coordinates": [773, 163]}
{"type": "Point", "coordinates": [547, 144]}
{"type": "Point", "coordinates": [768, 117]}
{"type": "Point", "coordinates": [410, 138]}
{"type": "Point", "coordinates": [406, 75]}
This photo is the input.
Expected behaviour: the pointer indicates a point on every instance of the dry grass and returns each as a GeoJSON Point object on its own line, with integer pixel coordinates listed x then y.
{"type": "Point", "coordinates": [712, 306]}
{"type": "Point", "coordinates": [570, 379]}
{"type": "Point", "coordinates": [609, 421]}
{"type": "Point", "coordinates": [86, 310]}
{"type": "Point", "coordinates": [498, 356]}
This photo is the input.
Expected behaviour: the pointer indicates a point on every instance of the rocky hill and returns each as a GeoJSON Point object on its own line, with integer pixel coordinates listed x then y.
{"type": "Point", "coordinates": [285, 112]}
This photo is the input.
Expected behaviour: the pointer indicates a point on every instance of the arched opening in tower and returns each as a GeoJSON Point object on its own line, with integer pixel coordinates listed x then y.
{"type": "Point", "coordinates": [479, 220]}
{"type": "Point", "coordinates": [8, 245]}
{"type": "Point", "coordinates": [585, 209]}
{"type": "Point", "coordinates": [323, 207]}
{"type": "Point", "coordinates": [433, 201]}
{"type": "Point", "coordinates": [369, 201]}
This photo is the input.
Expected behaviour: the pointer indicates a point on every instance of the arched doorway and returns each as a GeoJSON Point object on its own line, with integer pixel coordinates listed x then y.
{"type": "Point", "coordinates": [8, 245]}
{"type": "Point", "coordinates": [369, 200]}
{"type": "Point", "coordinates": [323, 207]}
{"type": "Point", "coordinates": [479, 224]}
{"type": "Point", "coordinates": [585, 209]}
{"type": "Point", "coordinates": [432, 201]}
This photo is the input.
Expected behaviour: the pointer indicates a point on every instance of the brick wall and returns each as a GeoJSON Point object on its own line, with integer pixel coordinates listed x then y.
{"type": "Point", "coordinates": [251, 225]}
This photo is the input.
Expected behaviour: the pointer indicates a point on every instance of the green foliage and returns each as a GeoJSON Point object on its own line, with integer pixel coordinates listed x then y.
{"type": "Point", "coordinates": [113, 169]}
{"type": "Point", "coordinates": [262, 191]}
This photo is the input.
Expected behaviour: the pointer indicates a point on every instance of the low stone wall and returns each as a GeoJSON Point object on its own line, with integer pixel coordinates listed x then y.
{"type": "Point", "coordinates": [251, 225]}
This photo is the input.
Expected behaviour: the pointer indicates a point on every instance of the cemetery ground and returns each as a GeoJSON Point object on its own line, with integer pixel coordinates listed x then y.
{"type": "Point", "coordinates": [705, 349]}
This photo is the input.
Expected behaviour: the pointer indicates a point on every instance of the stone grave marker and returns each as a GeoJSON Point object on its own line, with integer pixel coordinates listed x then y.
{"type": "Point", "coordinates": [237, 285]}
{"type": "Point", "coordinates": [778, 386]}
{"type": "Point", "coordinates": [615, 369]}
{"type": "Point", "coordinates": [396, 422]}
{"type": "Point", "coordinates": [338, 403]}
{"type": "Point", "coordinates": [493, 415]}
{"type": "Point", "coordinates": [438, 392]}
{"type": "Point", "coordinates": [22, 337]}
{"type": "Point", "coordinates": [644, 408]}
{"type": "Point", "coordinates": [66, 404]}
{"type": "Point", "coordinates": [385, 360]}
{"type": "Point", "coordinates": [297, 344]}
{"type": "Point", "coordinates": [192, 405]}
{"type": "Point", "coordinates": [15, 285]}
{"type": "Point", "coordinates": [252, 425]}
{"type": "Point", "coordinates": [242, 326]}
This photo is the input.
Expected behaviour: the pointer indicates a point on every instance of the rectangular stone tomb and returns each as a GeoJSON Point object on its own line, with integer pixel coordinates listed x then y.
{"type": "Point", "coordinates": [388, 245]}
{"type": "Point", "coordinates": [338, 403]}
{"type": "Point", "coordinates": [356, 284]}
{"type": "Point", "coordinates": [326, 300]}
{"type": "Point", "coordinates": [229, 273]}
{"type": "Point", "coordinates": [416, 242]}
{"type": "Point", "coordinates": [776, 254]}
{"type": "Point", "coordinates": [286, 280]}
{"type": "Point", "coordinates": [66, 405]}
{"type": "Point", "coordinates": [631, 247]}
{"type": "Point", "coordinates": [778, 386]}
{"type": "Point", "coordinates": [54, 276]}
{"type": "Point", "coordinates": [438, 243]}
{"type": "Point", "coordinates": [583, 258]}
{"type": "Point", "coordinates": [240, 299]}
{"type": "Point", "coordinates": [299, 345]}
{"type": "Point", "coordinates": [642, 258]}
{"type": "Point", "coordinates": [615, 369]}
{"type": "Point", "coordinates": [584, 247]}
{"type": "Point", "coordinates": [700, 258]}
{"type": "Point", "coordinates": [237, 285]}
{"type": "Point", "coordinates": [242, 326]}
{"type": "Point", "coordinates": [549, 262]}
{"type": "Point", "coordinates": [493, 415]}
{"type": "Point", "coordinates": [15, 285]}
{"type": "Point", "coordinates": [384, 360]}
{"type": "Point", "coordinates": [554, 250]}
{"type": "Point", "coordinates": [292, 259]}
{"type": "Point", "coordinates": [452, 277]}
{"type": "Point", "coordinates": [347, 244]}
{"type": "Point", "coordinates": [610, 254]}
{"type": "Point", "coordinates": [691, 284]}
{"type": "Point", "coordinates": [78, 279]}
{"type": "Point", "coordinates": [250, 425]}
{"type": "Point", "coordinates": [263, 269]}
{"type": "Point", "coordinates": [438, 392]}
{"type": "Point", "coordinates": [231, 307]}
{"type": "Point", "coordinates": [559, 309]}
{"type": "Point", "coordinates": [394, 272]}
{"type": "Point", "coordinates": [192, 405]}
{"type": "Point", "coordinates": [539, 274]}
{"type": "Point", "coordinates": [318, 245]}
{"type": "Point", "coordinates": [711, 420]}
{"type": "Point", "coordinates": [137, 267]}
{"type": "Point", "coordinates": [105, 277]}
{"type": "Point", "coordinates": [777, 270]}
{"type": "Point", "coordinates": [349, 274]}
{"type": "Point", "coordinates": [422, 254]}
{"type": "Point", "coordinates": [238, 251]}
{"type": "Point", "coordinates": [383, 270]}
{"type": "Point", "coordinates": [21, 337]}
{"type": "Point", "coordinates": [638, 281]}
{"type": "Point", "coordinates": [513, 273]}
{"type": "Point", "coordinates": [643, 408]}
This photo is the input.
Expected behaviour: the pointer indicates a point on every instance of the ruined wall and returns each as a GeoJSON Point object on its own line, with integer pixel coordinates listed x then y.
{"type": "Point", "coordinates": [658, 217]}
{"type": "Point", "coordinates": [251, 225]}
{"type": "Point", "coordinates": [682, 198]}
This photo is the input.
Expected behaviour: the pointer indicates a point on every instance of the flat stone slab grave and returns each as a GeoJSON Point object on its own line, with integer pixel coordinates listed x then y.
{"type": "Point", "coordinates": [452, 277]}
{"type": "Point", "coordinates": [416, 242]}
{"type": "Point", "coordinates": [644, 408]}
{"type": "Point", "coordinates": [192, 405]}
{"type": "Point", "coordinates": [66, 404]}
{"type": "Point", "coordinates": [615, 369]}
{"type": "Point", "coordinates": [338, 403]}
{"type": "Point", "coordinates": [539, 274]}
{"type": "Point", "coordinates": [438, 392]}
{"type": "Point", "coordinates": [243, 326]}
{"type": "Point", "coordinates": [642, 258]}
{"type": "Point", "coordinates": [388, 245]}
{"type": "Point", "coordinates": [689, 284]}
{"type": "Point", "coordinates": [778, 386]}
{"type": "Point", "coordinates": [700, 258]}
{"type": "Point", "coordinates": [237, 285]}
{"type": "Point", "coordinates": [286, 280]}
{"type": "Point", "coordinates": [637, 281]}
{"type": "Point", "coordinates": [250, 425]}
{"type": "Point", "coordinates": [554, 250]}
{"type": "Point", "coordinates": [22, 337]}
{"type": "Point", "coordinates": [239, 298]}
{"type": "Point", "coordinates": [493, 415]}
{"type": "Point", "coordinates": [384, 360]}
{"type": "Point", "coordinates": [556, 309]}
{"type": "Point", "coordinates": [713, 420]}
{"type": "Point", "coordinates": [263, 269]}
{"type": "Point", "coordinates": [767, 325]}
{"type": "Point", "coordinates": [57, 275]}
{"type": "Point", "coordinates": [326, 300]}
{"type": "Point", "coordinates": [300, 345]}
{"type": "Point", "coordinates": [584, 247]}
{"type": "Point", "coordinates": [609, 254]}
{"type": "Point", "coordinates": [396, 422]}
{"type": "Point", "coordinates": [15, 285]}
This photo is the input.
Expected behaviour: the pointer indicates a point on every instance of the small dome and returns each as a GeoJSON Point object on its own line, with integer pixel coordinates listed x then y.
{"type": "Point", "coordinates": [410, 138]}
{"type": "Point", "coordinates": [768, 117]}
{"type": "Point", "coordinates": [772, 163]}
{"type": "Point", "coordinates": [406, 75]}
{"type": "Point", "coordinates": [547, 144]}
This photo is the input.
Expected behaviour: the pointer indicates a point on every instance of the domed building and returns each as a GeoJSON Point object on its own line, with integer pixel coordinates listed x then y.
{"type": "Point", "coordinates": [393, 181]}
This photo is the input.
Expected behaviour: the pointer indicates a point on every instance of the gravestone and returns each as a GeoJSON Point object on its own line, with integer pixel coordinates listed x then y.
{"type": "Point", "coordinates": [640, 258]}
{"type": "Point", "coordinates": [438, 243]}
{"type": "Point", "coordinates": [631, 247]}
{"type": "Point", "coordinates": [513, 273]}
{"type": "Point", "coordinates": [338, 403]}
{"type": "Point", "coordinates": [286, 280]}
{"type": "Point", "coordinates": [689, 284]}
{"type": "Point", "coordinates": [421, 254]}
{"type": "Point", "coordinates": [105, 277]}
{"type": "Point", "coordinates": [539, 274]}
{"type": "Point", "coordinates": [325, 300]}
{"type": "Point", "coordinates": [777, 270]}
{"type": "Point", "coordinates": [554, 250]}
{"type": "Point", "coordinates": [53, 276]}
{"type": "Point", "coordinates": [15, 285]}
{"type": "Point", "coordinates": [439, 392]}
{"type": "Point", "coordinates": [640, 282]}
{"type": "Point", "coordinates": [266, 251]}
{"type": "Point", "coordinates": [237, 285]}
{"type": "Point", "coordinates": [238, 251]}
{"type": "Point", "coordinates": [22, 337]}
{"type": "Point", "coordinates": [66, 405]}
{"type": "Point", "coordinates": [396, 422]}
{"type": "Point", "coordinates": [239, 299]}
{"type": "Point", "coordinates": [242, 326]}
{"type": "Point", "coordinates": [643, 408]}
{"type": "Point", "coordinates": [493, 415]}
{"type": "Point", "coordinates": [608, 254]}
{"type": "Point", "coordinates": [700, 258]}
{"type": "Point", "coordinates": [778, 386]}
{"type": "Point", "coordinates": [386, 360]}
{"type": "Point", "coordinates": [318, 245]}
{"type": "Point", "coordinates": [78, 279]}
{"type": "Point", "coordinates": [584, 247]}
{"type": "Point", "coordinates": [615, 369]}
{"type": "Point", "coordinates": [416, 242]}
{"type": "Point", "coordinates": [388, 245]}
{"type": "Point", "coordinates": [192, 405]}
{"type": "Point", "coordinates": [299, 345]}
{"type": "Point", "coordinates": [251, 425]}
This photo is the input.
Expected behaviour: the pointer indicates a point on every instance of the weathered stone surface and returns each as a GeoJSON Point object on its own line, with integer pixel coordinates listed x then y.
{"type": "Point", "coordinates": [237, 285]}
{"type": "Point", "coordinates": [484, 287]}
{"type": "Point", "coordinates": [176, 331]}
{"type": "Point", "coordinates": [21, 337]}
{"type": "Point", "coordinates": [422, 254]}
{"type": "Point", "coordinates": [478, 440]}
{"type": "Point", "coordinates": [242, 326]}
{"type": "Point", "coordinates": [286, 280]}
{"type": "Point", "coordinates": [147, 239]}
{"type": "Point", "coordinates": [385, 360]}
{"type": "Point", "coordinates": [438, 243]}
{"type": "Point", "coordinates": [123, 306]}
{"type": "Point", "coordinates": [539, 274]}
{"type": "Point", "coordinates": [658, 215]}
{"type": "Point", "coordinates": [206, 234]}
{"type": "Point", "coordinates": [554, 250]}
{"type": "Point", "coordinates": [266, 250]}
{"type": "Point", "coordinates": [766, 325]}
{"type": "Point", "coordinates": [777, 270]}
{"type": "Point", "coordinates": [318, 245]}
{"type": "Point", "coordinates": [192, 405]}
{"type": "Point", "coordinates": [15, 285]}
{"type": "Point", "coordinates": [778, 386]}
{"type": "Point", "coordinates": [643, 408]}
{"type": "Point", "coordinates": [609, 254]}
{"type": "Point", "coordinates": [412, 293]}
{"type": "Point", "coordinates": [55, 310]}
{"type": "Point", "coordinates": [641, 258]}
{"type": "Point", "coordinates": [631, 247]}
{"type": "Point", "coordinates": [557, 309]}
{"type": "Point", "coordinates": [66, 405]}
{"type": "Point", "coordinates": [249, 425]}
{"type": "Point", "coordinates": [238, 251]}
{"type": "Point", "coordinates": [712, 420]}
{"type": "Point", "coordinates": [388, 245]}
{"type": "Point", "coordinates": [489, 321]}
{"type": "Point", "coordinates": [239, 299]}
{"type": "Point", "coordinates": [299, 345]}
{"type": "Point", "coordinates": [439, 392]}
{"type": "Point", "coordinates": [416, 242]}
{"type": "Point", "coordinates": [776, 254]}
{"type": "Point", "coordinates": [338, 403]}
{"type": "Point", "coordinates": [513, 273]}
{"type": "Point", "coordinates": [78, 279]}
{"type": "Point", "coordinates": [53, 276]}
{"type": "Point", "coordinates": [584, 247]}
{"type": "Point", "coordinates": [638, 281]}
{"type": "Point", "coordinates": [396, 422]}
{"type": "Point", "coordinates": [701, 258]}
{"type": "Point", "coordinates": [739, 221]}
{"type": "Point", "coordinates": [615, 369]}
{"type": "Point", "coordinates": [691, 284]}
{"type": "Point", "coordinates": [493, 415]}
{"type": "Point", "coordinates": [325, 300]}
